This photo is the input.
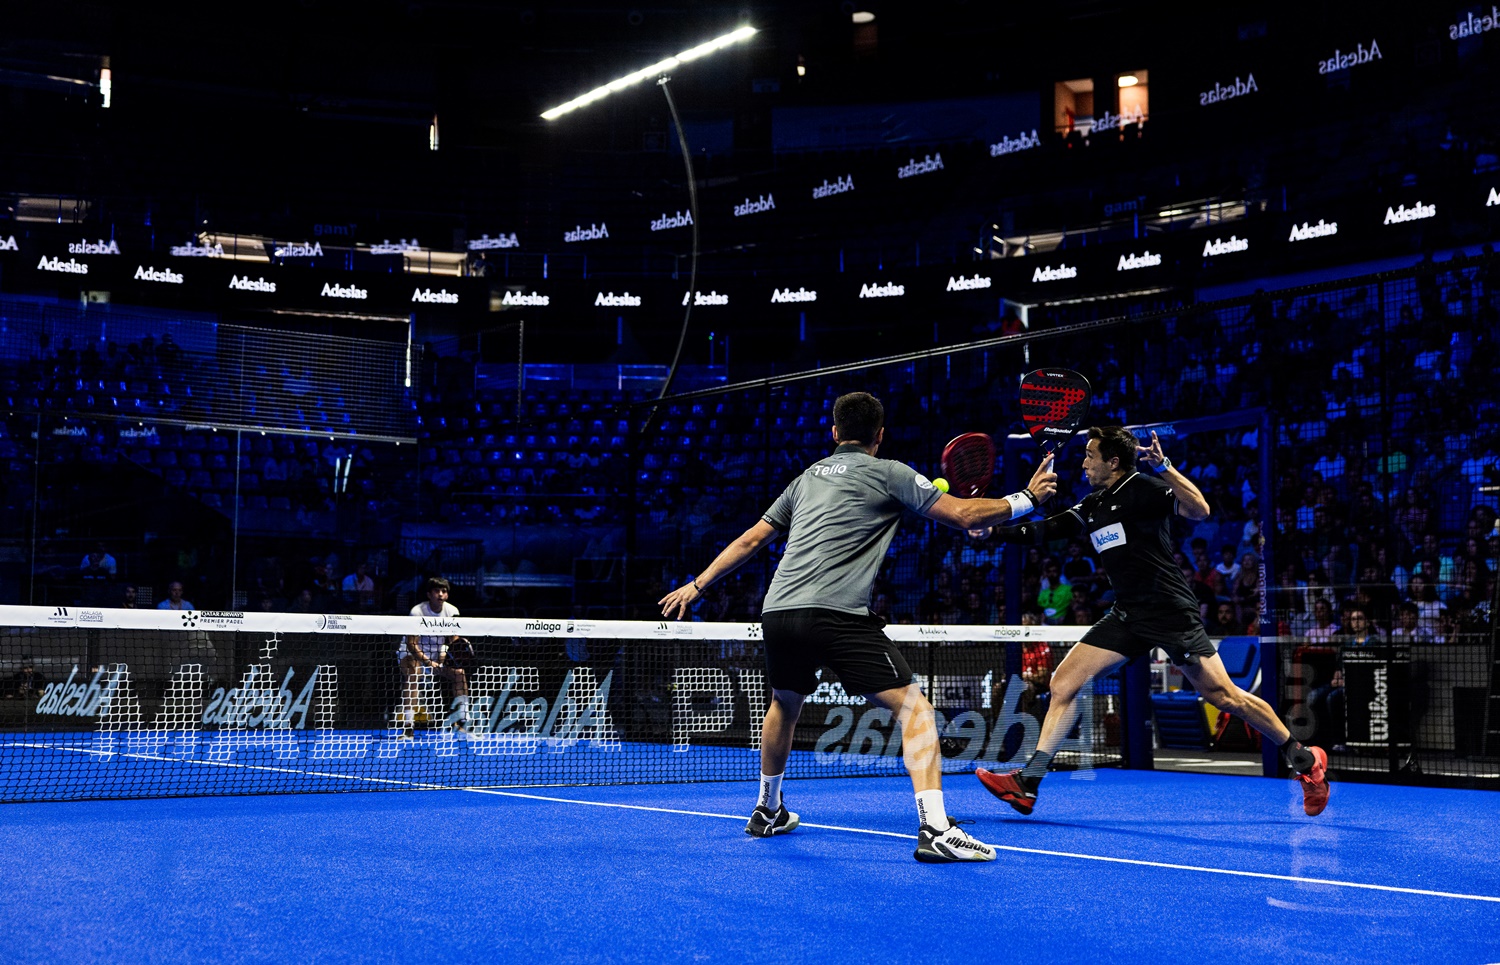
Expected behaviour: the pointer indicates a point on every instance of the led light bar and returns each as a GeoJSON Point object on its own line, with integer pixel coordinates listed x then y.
{"type": "Point", "coordinates": [655, 70]}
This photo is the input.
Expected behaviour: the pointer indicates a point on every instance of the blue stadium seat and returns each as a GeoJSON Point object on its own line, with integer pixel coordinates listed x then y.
{"type": "Point", "coordinates": [1180, 720]}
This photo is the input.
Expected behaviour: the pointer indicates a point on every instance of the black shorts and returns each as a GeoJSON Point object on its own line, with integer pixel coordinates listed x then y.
{"type": "Point", "coordinates": [798, 642]}
{"type": "Point", "coordinates": [1138, 631]}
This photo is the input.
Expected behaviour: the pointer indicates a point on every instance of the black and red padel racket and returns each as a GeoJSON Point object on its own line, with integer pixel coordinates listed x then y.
{"type": "Point", "coordinates": [968, 464]}
{"type": "Point", "coordinates": [1054, 403]}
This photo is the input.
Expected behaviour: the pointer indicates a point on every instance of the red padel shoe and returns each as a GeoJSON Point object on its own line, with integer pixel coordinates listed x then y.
{"type": "Point", "coordinates": [1009, 788]}
{"type": "Point", "coordinates": [1314, 783]}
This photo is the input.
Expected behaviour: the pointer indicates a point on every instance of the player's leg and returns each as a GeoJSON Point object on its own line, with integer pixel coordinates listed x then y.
{"type": "Point", "coordinates": [408, 710]}
{"type": "Point", "coordinates": [459, 680]}
{"type": "Point", "coordinates": [1209, 678]}
{"type": "Point", "coordinates": [939, 838]}
{"type": "Point", "coordinates": [1084, 662]}
{"type": "Point", "coordinates": [792, 674]}
{"type": "Point", "coordinates": [776, 734]}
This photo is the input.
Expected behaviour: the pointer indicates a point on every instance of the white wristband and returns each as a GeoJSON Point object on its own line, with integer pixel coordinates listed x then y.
{"type": "Point", "coordinates": [1020, 505]}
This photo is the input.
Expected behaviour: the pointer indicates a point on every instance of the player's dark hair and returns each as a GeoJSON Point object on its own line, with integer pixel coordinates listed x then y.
{"type": "Point", "coordinates": [859, 417]}
{"type": "Point", "coordinates": [435, 583]}
{"type": "Point", "coordinates": [1115, 441]}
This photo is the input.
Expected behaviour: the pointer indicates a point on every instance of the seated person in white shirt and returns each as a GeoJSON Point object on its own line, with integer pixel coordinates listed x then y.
{"type": "Point", "coordinates": [429, 653]}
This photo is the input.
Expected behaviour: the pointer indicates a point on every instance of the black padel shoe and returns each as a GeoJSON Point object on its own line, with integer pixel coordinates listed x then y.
{"type": "Point", "coordinates": [764, 822]}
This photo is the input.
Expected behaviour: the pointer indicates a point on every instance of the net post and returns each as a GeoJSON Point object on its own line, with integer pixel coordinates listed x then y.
{"type": "Point", "coordinates": [1271, 763]}
{"type": "Point", "coordinates": [1135, 713]}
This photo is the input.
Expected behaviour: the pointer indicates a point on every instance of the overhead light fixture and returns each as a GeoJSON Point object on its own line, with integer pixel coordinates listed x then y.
{"type": "Point", "coordinates": [655, 70]}
{"type": "Point", "coordinates": [106, 84]}
{"type": "Point", "coordinates": [801, 66]}
{"type": "Point", "coordinates": [1128, 80]}
{"type": "Point", "coordinates": [862, 16]}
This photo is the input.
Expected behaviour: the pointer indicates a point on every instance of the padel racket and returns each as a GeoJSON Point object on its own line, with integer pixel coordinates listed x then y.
{"type": "Point", "coordinates": [1054, 403]}
{"type": "Point", "coordinates": [968, 464]}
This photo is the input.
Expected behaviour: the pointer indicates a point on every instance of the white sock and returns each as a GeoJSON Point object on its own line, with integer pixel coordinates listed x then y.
{"type": "Point", "coordinates": [408, 715]}
{"type": "Point", "coordinates": [930, 809]}
{"type": "Point", "coordinates": [770, 790]}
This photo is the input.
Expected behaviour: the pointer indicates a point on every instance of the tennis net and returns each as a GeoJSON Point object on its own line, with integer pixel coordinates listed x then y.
{"type": "Point", "coordinates": [98, 703]}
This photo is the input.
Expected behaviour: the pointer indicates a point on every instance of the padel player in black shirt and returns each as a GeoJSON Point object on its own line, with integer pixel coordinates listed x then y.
{"type": "Point", "coordinates": [1128, 518]}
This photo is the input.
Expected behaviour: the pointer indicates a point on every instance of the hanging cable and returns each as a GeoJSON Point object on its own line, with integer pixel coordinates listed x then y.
{"type": "Point", "coordinates": [692, 293]}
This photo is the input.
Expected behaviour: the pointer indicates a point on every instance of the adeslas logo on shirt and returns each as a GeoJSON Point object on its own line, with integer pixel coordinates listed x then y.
{"type": "Point", "coordinates": [1110, 537]}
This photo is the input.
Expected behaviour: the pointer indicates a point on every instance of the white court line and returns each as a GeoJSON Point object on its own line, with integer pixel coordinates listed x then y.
{"type": "Point", "coordinates": [1008, 847]}
{"type": "Point", "coordinates": [830, 827]}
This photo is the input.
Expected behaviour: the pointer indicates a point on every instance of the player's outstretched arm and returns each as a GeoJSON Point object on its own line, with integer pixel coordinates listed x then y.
{"type": "Point", "coordinates": [675, 605]}
{"type": "Point", "coordinates": [978, 514]}
{"type": "Point", "coordinates": [1190, 500]}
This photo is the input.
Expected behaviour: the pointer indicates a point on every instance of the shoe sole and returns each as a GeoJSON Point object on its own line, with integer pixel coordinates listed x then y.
{"type": "Point", "coordinates": [1319, 777]}
{"type": "Point", "coordinates": [932, 857]}
{"type": "Point", "coordinates": [789, 826]}
{"type": "Point", "coordinates": [1023, 805]}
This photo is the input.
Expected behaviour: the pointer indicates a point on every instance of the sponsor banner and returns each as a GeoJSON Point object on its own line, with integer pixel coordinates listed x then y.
{"type": "Point", "coordinates": [1062, 271]}
{"type": "Point", "coordinates": [500, 241]}
{"type": "Point", "coordinates": [1405, 214]}
{"type": "Point", "coordinates": [258, 623]}
{"type": "Point", "coordinates": [1475, 23]}
{"type": "Point", "coordinates": [975, 282]}
{"type": "Point", "coordinates": [930, 164]}
{"type": "Point", "coordinates": [842, 184]}
{"type": "Point", "coordinates": [1012, 145]}
{"type": "Point", "coordinates": [1226, 91]}
{"type": "Point", "coordinates": [1343, 59]}
{"type": "Point", "coordinates": [1136, 260]}
{"type": "Point", "coordinates": [594, 232]}
{"type": "Point", "coordinates": [8, 244]}
{"type": "Point", "coordinates": [1307, 231]}
{"type": "Point", "coordinates": [1230, 244]}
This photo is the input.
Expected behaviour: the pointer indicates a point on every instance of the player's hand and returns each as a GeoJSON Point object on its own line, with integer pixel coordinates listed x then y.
{"type": "Point", "coordinates": [1152, 454]}
{"type": "Point", "coordinates": [676, 604]}
{"type": "Point", "coordinates": [1043, 483]}
{"type": "Point", "coordinates": [982, 532]}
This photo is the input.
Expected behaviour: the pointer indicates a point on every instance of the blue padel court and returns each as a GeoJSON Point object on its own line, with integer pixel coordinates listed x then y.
{"type": "Point", "coordinates": [1114, 866]}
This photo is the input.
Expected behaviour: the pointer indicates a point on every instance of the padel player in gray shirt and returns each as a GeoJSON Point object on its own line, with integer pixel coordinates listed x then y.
{"type": "Point", "coordinates": [840, 515]}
